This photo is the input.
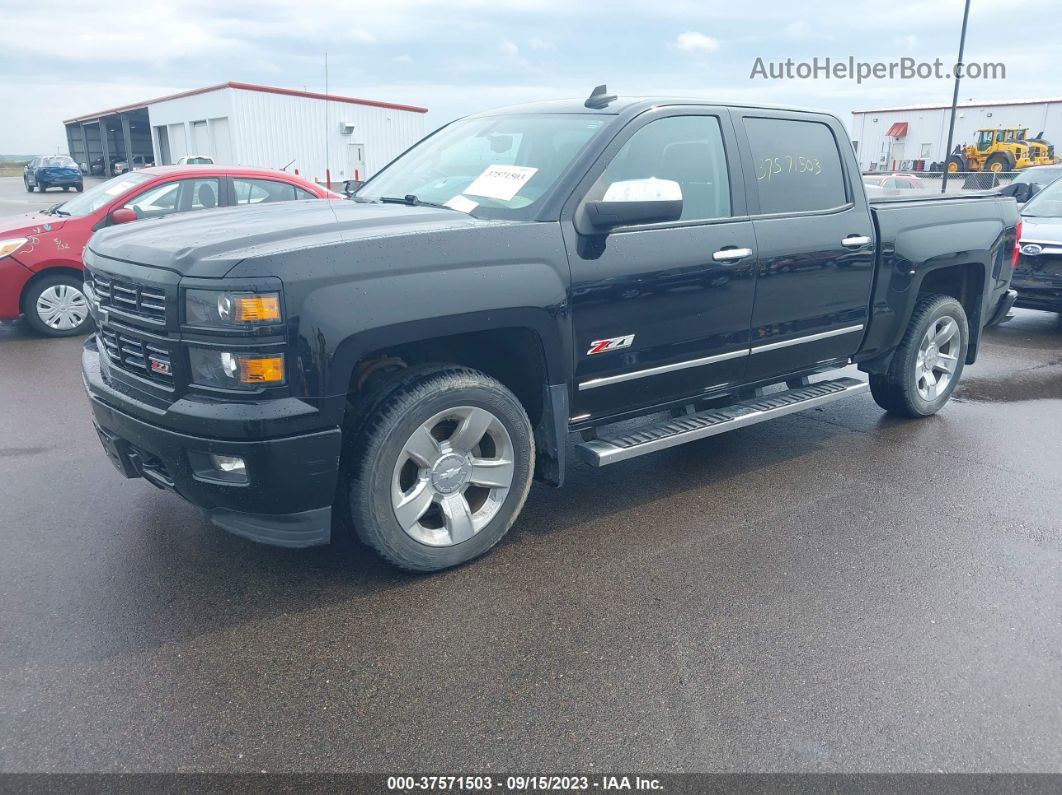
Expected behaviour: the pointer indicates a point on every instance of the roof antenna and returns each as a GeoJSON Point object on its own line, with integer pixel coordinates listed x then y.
{"type": "Point", "coordinates": [599, 98]}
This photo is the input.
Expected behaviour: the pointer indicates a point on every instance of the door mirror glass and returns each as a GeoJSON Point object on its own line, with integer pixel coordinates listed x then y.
{"type": "Point", "coordinates": [636, 201]}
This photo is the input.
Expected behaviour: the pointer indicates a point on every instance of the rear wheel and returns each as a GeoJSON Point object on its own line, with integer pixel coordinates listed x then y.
{"type": "Point", "coordinates": [56, 306]}
{"type": "Point", "coordinates": [79, 187]}
{"type": "Point", "coordinates": [929, 361]}
{"type": "Point", "coordinates": [955, 164]}
{"type": "Point", "coordinates": [439, 467]}
{"type": "Point", "coordinates": [29, 188]}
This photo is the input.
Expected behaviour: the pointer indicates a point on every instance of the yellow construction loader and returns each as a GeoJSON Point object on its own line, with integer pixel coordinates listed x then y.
{"type": "Point", "coordinates": [1002, 150]}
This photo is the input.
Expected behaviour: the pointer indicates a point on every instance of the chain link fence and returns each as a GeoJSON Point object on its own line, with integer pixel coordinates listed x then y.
{"type": "Point", "coordinates": [894, 183]}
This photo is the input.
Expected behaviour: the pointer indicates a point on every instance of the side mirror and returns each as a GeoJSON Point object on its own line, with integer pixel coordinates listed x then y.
{"type": "Point", "coordinates": [351, 186]}
{"type": "Point", "coordinates": [636, 201]}
{"type": "Point", "coordinates": [123, 215]}
{"type": "Point", "coordinates": [1034, 188]}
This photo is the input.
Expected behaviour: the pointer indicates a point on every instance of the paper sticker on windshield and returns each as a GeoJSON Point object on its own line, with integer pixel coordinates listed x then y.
{"type": "Point", "coordinates": [501, 182]}
{"type": "Point", "coordinates": [119, 187]}
{"type": "Point", "coordinates": [461, 204]}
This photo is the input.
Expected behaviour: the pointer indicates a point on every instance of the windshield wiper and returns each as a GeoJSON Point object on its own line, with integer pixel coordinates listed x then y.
{"type": "Point", "coordinates": [412, 201]}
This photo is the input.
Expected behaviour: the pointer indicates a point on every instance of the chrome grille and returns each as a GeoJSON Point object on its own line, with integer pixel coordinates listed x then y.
{"type": "Point", "coordinates": [135, 355]}
{"type": "Point", "coordinates": [138, 300]}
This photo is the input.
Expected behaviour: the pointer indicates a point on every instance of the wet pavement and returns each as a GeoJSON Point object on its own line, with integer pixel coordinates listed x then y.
{"type": "Point", "coordinates": [833, 591]}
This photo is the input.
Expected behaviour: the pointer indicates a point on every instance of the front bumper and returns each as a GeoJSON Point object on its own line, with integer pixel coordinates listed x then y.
{"type": "Point", "coordinates": [291, 480]}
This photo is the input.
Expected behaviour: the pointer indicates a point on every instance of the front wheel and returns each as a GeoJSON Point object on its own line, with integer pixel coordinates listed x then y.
{"type": "Point", "coordinates": [440, 466]}
{"type": "Point", "coordinates": [56, 306]}
{"type": "Point", "coordinates": [929, 361]}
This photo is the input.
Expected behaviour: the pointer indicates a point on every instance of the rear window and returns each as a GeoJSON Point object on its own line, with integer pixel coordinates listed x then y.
{"type": "Point", "coordinates": [57, 162]}
{"type": "Point", "coordinates": [797, 165]}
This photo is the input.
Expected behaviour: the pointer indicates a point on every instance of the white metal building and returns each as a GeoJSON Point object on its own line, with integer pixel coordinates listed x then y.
{"type": "Point", "coordinates": [914, 136]}
{"type": "Point", "coordinates": [322, 136]}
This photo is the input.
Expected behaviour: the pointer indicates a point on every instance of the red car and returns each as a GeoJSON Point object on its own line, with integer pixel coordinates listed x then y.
{"type": "Point", "coordinates": [40, 253]}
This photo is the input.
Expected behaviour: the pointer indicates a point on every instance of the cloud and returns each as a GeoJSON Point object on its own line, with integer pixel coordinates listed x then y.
{"type": "Point", "coordinates": [692, 41]}
{"type": "Point", "coordinates": [539, 44]}
{"type": "Point", "coordinates": [908, 42]}
{"type": "Point", "coordinates": [795, 30]}
{"type": "Point", "coordinates": [403, 58]}
{"type": "Point", "coordinates": [509, 48]}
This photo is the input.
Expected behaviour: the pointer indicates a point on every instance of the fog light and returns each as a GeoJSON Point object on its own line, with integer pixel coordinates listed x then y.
{"type": "Point", "coordinates": [214, 468]}
{"type": "Point", "coordinates": [231, 464]}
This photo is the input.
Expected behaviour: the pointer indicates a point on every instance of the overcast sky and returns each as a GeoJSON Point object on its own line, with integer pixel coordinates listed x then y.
{"type": "Point", "coordinates": [63, 59]}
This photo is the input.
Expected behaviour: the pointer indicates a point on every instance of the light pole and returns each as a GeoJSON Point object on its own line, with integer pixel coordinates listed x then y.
{"type": "Point", "coordinates": [955, 97]}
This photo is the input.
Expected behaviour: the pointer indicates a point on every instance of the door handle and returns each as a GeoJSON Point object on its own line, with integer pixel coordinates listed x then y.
{"type": "Point", "coordinates": [855, 241]}
{"type": "Point", "coordinates": [731, 254]}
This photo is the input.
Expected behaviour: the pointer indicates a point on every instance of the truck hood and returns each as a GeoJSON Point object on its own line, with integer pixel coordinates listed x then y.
{"type": "Point", "coordinates": [1041, 230]}
{"type": "Point", "coordinates": [211, 243]}
{"type": "Point", "coordinates": [28, 224]}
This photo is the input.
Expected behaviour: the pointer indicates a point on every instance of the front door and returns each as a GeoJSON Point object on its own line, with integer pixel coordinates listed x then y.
{"type": "Point", "coordinates": [356, 161]}
{"type": "Point", "coordinates": [816, 245]}
{"type": "Point", "coordinates": [661, 311]}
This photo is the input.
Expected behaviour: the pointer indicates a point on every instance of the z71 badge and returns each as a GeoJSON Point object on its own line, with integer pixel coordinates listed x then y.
{"type": "Point", "coordinates": [611, 344]}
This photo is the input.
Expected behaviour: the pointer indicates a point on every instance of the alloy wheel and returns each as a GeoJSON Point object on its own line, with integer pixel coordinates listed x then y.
{"type": "Point", "coordinates": [938, 357]}
{"type": "Point", "coordinates": [452, 476]}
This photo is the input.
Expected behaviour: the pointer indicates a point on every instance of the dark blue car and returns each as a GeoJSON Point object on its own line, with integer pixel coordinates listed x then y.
{"type": "Point", "coordinates": [52, 171]}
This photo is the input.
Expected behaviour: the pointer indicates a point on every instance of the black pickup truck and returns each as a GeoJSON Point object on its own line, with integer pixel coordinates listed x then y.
{"type": "Point", "coordinates": [405, 363]}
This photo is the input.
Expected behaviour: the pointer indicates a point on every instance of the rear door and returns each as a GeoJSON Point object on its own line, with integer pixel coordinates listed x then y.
{"type": "Point", "coordinates": [661, 311]}
{"type": "Point", "coordinates": [815, 240]}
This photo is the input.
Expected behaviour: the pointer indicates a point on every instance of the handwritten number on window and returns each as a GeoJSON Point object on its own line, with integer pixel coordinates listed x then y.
{"type": "Point", "coordinates": [767, 167]}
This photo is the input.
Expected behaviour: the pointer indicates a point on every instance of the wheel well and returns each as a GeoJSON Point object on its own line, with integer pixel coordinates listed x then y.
{"type": "Point", "coordinates": [514, 356]}
{"type": "Point", "coordinates": [58, 270]}
{"type": "Point", "coordinates": [966, 284]}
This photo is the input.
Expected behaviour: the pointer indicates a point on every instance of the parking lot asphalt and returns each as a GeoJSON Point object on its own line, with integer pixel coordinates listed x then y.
{"type": "Point", "coordinates": [832, 591]}
{"type": "Point", "coordinates": [15, 200]}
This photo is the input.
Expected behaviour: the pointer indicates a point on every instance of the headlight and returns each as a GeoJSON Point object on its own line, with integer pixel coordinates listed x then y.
{"type": "Point", "coordinates": [227, 370]}
{"type": "Point", "coordinates": [11, 245]}
{"type": "Point", "coordinates": [215, 308]}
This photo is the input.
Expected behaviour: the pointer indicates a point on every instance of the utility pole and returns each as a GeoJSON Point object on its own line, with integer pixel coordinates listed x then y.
{"type": "Point", "coordinates": [327, 172]}
{"type": "Point", "coordinates": [955, 96]}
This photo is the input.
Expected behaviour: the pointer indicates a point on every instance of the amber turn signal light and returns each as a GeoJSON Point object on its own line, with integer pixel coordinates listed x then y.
{"type": "Point", "coordinates": [258, 308]}
{"type": "Point", "coordinates": [262, 370]}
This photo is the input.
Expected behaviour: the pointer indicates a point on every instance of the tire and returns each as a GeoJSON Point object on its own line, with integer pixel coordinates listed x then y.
{"type": "Point", "coordinates": [66, 188]}
{"type": "Point", "coordinates": [80, 187]}
{"type": "Point", "coordinates": [955, 164]}
{"type": "Point", "coordinates": [384, 476]}
{"type": "Point", "coordinates": [998, 162]}
{"type": "Point", "coordinates": [29, 188]}
{"type": "Point", "coordinates": [42, 188]}
{"type": "Point", "coordinates": [903, 390]}
{"type": "Point", "coordinates": [64, 292]}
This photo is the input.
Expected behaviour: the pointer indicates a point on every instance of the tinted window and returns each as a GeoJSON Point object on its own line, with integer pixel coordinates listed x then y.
{"type": "Point", "coordinates": [797, 165]}
{"type": "Point", "coordinates": [156, 202]}
{"type": "Point", "coordinates": [204, 194]}
{"type": "Point", "coordinates": [258, 191]}
{"type": "Point", "coordinates": [685, 149]}
{"type": "Point", "coordinates": [303, 194]}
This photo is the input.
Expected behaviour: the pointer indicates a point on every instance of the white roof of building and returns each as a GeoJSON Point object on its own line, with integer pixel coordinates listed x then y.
{"type": "Point", "coordinates": [971, 104]}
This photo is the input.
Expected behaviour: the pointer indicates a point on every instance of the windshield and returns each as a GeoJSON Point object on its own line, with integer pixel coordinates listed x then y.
{"type": "Point", "coordinates": [1047, 203]}
{"type": "Point", "coordinates": [95, 198]}
{"type": "Point", "coordinates": [57, 162]}
{"type": "Point", "coordinates": [491, 167]}
{"type": "Point", "coordinates": [1038, 175]}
